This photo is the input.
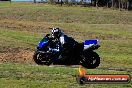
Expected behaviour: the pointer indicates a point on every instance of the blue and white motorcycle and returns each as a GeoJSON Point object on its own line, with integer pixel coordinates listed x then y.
{"type": "Point", "coordinates": [79, 54]}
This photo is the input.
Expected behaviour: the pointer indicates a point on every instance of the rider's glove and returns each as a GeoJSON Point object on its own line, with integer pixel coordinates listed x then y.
{"type": "Point", "coordinates": [50, 49]}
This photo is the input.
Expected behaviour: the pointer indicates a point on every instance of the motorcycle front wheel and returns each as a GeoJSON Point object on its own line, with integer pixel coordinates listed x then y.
{"type": "Point", "coordinates": [42, 58]}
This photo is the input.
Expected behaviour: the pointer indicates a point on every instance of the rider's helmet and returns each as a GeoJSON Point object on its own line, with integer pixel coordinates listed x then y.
{"type": "Point", "coordinates": [56, 32]}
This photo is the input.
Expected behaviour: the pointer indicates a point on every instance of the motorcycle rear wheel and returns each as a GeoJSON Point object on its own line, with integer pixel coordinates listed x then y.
{"type": "Point", "coordinates": [90, 60]}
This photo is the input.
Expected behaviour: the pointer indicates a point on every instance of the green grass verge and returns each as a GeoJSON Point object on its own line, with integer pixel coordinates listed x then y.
{"type": "Point", "coordinates": [28, 76]}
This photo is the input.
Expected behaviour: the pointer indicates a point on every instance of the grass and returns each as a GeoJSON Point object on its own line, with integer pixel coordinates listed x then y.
{"type": "Point", "coordinates": [23, 76]}
{"type": "Point", "coordinates": [51, 13]}
{"type": "Point", "coordinates": [22, 25]}
{"type": "Point", "coordinates": [18, 39]}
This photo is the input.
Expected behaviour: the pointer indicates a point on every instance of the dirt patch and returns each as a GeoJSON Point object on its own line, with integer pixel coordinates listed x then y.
{"type": "Point", "coordinates": [25, 26]}
{"type": "Point", "coordinates": [17, 56]}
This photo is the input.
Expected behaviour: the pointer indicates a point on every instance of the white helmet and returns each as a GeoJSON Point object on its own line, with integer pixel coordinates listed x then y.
{"type": "Point", "coordinates": [56, 32]}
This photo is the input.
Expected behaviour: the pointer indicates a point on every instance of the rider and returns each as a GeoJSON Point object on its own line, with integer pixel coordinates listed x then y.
{"type": "Point", "coordinates": [63, 40]}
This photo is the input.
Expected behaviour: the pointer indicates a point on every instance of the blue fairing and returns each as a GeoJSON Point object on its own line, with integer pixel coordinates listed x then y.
{"type": "Point", "coordinates": [89, 43]}
{"type": "Point", "coordinates": [43, 42]}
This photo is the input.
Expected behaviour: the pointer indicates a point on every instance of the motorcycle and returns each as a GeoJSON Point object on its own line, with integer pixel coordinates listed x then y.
{"type": "Point", "coordinates": [79, 54]}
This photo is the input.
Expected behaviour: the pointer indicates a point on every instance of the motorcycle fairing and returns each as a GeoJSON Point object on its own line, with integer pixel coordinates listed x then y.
{"type": "Point", "coordinates": [90, 43]}
{"type": "Point", "coordinates": [44, 41]}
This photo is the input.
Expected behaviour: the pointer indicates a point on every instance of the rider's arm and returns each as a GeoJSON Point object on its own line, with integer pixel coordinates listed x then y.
{"type": "Point", "coordinates": [62, 40]}
{"type": "Point", "coordinates": [57, 49]}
